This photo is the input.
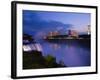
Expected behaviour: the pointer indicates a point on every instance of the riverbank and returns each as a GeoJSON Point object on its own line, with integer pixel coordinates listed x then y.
{"type": "Point", "coordinates": [82, 42]}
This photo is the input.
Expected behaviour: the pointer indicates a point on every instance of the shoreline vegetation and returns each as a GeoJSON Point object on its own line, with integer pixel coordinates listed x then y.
{"type": "Point", "coordinates": [35, 60]}
{"type": "Point", "coordinates": [66, 37]}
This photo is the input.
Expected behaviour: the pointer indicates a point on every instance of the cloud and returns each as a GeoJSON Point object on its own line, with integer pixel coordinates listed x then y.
{"type": "Point", "coordinates": [33, 24]}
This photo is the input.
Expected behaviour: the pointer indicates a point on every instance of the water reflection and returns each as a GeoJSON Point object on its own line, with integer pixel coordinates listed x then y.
{"type": "Point", "coordinates": [69, 53]}
{"type": "Point", "coordinates": [55, 46]}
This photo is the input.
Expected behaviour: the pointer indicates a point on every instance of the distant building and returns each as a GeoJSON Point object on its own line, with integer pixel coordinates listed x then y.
{"type": "Point", "coordinates": [53, 33]}
{"type": "Point", "coordinates": [73, 33]}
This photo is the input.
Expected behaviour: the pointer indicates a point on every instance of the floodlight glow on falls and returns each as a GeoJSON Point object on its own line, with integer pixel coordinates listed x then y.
{"type": "Point", "coordinates": [31, 47]}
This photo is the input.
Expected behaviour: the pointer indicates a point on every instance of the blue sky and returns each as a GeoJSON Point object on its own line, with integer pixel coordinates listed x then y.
{"type": "Point", "coordinates": [41, 22]}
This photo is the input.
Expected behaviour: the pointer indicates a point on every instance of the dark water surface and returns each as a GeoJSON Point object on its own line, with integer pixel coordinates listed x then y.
{"type": "Point", "coordinates": [71, 52]}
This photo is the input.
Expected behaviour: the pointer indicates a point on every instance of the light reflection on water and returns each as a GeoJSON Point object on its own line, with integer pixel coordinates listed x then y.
{"type": "Point", "coordinates": [72, 54]}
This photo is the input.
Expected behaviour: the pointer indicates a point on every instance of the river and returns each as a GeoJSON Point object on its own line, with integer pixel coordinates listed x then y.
{"type": "Point", "coordinates": [74, 53]}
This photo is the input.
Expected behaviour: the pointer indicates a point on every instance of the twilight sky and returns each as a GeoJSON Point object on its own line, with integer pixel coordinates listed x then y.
{"type": "Point", "coordinates": [39, 23]}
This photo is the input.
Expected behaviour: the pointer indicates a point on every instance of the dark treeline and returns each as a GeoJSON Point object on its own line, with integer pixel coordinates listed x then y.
{"type": "Point", "coordinates": [84, 36]}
